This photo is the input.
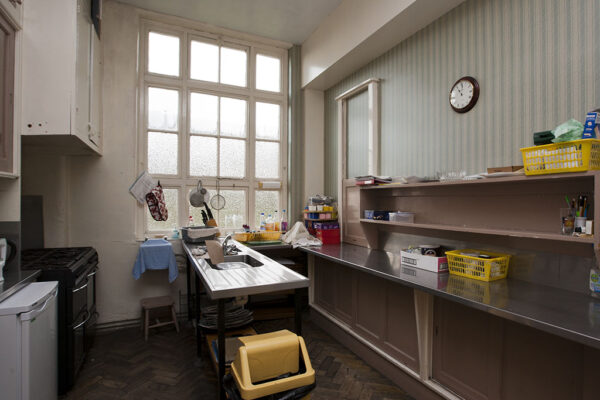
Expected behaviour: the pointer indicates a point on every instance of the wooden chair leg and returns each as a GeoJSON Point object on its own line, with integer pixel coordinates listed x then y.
{"type": "Point", "coordinates": [146, 322]}
{"type": "Point", "coordinates": [174, 318]}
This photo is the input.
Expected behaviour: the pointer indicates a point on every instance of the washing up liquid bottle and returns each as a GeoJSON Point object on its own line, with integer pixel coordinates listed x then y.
{"type": "Point", "coordinates": [269, 223]}
{"type": "Point", "coordinates": [284, 224]}
{"type": "Point", "coordinates": [276, 221]}
{"type": "Point", "coordinates": [262, 222]}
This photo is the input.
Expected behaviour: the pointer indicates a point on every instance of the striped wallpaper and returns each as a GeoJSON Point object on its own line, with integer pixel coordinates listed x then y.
{"type": "Point", "coordinates": [536, 62]}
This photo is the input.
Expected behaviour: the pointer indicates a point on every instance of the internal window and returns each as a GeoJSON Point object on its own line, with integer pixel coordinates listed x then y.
{"type": "Point", "coordinates": [213, 109]}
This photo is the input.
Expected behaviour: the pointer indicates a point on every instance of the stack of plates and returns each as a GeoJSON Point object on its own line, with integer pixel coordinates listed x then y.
{"type": "Point", "coordinates": [235, 316]}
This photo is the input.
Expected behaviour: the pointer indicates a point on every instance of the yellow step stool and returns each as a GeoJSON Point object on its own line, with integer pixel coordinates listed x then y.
{"type": "Point", "coordinates": [263, 358]}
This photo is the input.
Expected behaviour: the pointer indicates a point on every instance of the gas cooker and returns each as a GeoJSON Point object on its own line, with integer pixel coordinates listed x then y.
{"type": "Point", "coordinates": [60, 258]}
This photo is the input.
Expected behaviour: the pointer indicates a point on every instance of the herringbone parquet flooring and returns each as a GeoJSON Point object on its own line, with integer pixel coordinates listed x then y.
{"type": "Point", "coordinates": [121, 365]}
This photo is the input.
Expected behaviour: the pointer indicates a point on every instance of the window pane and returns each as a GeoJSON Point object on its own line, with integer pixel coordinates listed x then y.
{"type": "Point", "coordinates": [163, 106]}
{"type": "Point", "coordinates": [203, 113]}
{"type": "Point", "coordinates": [233, 117]}
{"type": "Point", "coordinates": [234, 213]}
{"type": "Point", "coordinates": [267, 201]}
{"type": "Point", "coordinates": [267, 121]}
{"type": "Point", "coordinates": [267, 160]}
{"type": "Point", "coordinates": [162, 153]}
{"type": "Point", "coordinates": [204, 61]}
{"type": "Point", "coordinates": [203, 156]}
{"type": "Point", "coordinates": [268, 73]}
{"type": "Point", "coordinates": [233, 66]}
{"type": "Point", "coordinates": [163, 54]}
{"type": "Point", "coordinates": [232, 158]}
{"type": "Point", "coordinates": [171, 200]}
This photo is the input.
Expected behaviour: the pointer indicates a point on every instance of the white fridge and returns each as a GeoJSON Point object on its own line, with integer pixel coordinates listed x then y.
{"type": "Point", "coordinates": [28, 343]}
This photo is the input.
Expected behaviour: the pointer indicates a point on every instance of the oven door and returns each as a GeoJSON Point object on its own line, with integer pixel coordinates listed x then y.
{"type": "Point", "coordinates": [78, 335]}
{"type": "Point", "coordinates": [80, 296]}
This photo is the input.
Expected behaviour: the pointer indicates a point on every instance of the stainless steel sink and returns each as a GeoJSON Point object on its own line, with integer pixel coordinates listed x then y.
{"type": "Point", "coordinates": [236, 262]}
{"type": "Point", "coordinates": [245, 258]}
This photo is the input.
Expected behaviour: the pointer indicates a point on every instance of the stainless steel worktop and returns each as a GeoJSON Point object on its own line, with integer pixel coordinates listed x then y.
{"type": "Point", "coordinates": [269, 277]}
{"type": "Point", "coordinates": [561, 312]}
{"type": "Point", "coordinates": [14, 281]}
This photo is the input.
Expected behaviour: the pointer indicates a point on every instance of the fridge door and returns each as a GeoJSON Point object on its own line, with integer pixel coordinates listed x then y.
{"type": "Point", "coordinates": [39, 354]}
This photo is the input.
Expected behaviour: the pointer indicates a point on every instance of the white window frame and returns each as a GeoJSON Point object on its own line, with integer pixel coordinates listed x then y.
{"type": "Point", "coordinates": [183, 181]}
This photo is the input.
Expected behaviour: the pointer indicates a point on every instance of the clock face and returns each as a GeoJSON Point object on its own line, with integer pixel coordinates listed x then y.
{"type": "Point", "coordinates": [464, 94]}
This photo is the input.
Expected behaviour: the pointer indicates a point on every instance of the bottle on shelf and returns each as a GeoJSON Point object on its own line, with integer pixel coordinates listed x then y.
{"type": "Point", "coordinates": [269, 223]}
{"type": "Point", "coordinates": [276, 222]}
{"type": "Point", "coordinates": [262, 222]}
{"type": "Point", "coordinates": [283, 225]}
{"type": "Point", "coordinates": [191, 221]}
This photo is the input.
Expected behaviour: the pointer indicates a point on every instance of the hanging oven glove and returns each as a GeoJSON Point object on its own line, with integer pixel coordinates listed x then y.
{"type": "Point", "coordinates": [156, 204]}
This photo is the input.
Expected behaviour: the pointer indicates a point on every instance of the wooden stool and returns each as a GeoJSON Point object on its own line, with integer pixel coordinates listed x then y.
{"type": "Point", "coordinates": [152, 303]}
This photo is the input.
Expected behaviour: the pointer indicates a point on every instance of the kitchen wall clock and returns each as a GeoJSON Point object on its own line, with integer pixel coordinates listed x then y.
{"type": "Point", "coordinates": [464, 94]}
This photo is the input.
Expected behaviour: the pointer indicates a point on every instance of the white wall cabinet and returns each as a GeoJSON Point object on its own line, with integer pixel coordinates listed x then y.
{"type": "Point", "coordinates": [62, 77]}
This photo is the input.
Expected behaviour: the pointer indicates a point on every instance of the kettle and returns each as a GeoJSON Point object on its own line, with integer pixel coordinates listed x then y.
{"type": "Point", "coordinates": [7, 253]}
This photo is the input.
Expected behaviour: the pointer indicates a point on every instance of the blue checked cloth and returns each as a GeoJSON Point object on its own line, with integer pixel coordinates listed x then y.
{"type": "Point", "coordinates": [155, 254]}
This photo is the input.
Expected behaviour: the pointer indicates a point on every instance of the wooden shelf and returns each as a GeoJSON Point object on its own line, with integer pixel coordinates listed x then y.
{"type": "Point", "coordinates": [485, 231]}
{"type": "Point", "coordinates": [509, 179]}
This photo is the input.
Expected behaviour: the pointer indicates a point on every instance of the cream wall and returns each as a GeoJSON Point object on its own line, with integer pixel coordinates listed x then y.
{"type": "Point", "coordinates": [86, 198]}
{"type": "Point", "coordinates": [314, 142]}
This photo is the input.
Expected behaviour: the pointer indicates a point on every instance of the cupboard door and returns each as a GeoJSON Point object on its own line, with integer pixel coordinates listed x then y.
{"type": "Point", "coordinates": [83, 69]}
{"type": "Point", "coordinates": [324, 284]}
{"type": "Point", "coordinates": [95, 134]}
{"type": "Point", "coordinates": [370, 307]}
{"type": "Point", "coordinates": [467, 348]}
{"type": "Point", "coordinates": [400, 340]}
{"type": "Point", "coordinates": [538, 365]}
{"type": "Point", "coordinates": [7, 83]}
{"type": "Point", "coordinates": [344, 293]}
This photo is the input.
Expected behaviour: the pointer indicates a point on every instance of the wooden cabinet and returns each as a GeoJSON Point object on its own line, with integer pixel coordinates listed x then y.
{"type": "Point", "coordinates": [8, 150]}
{"type": "Point", "coordinates": [380, 312]}
{"type": "Point", "coordinates": [62, 76]}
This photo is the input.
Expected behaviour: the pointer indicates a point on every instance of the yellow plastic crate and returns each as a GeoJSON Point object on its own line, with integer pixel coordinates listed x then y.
{"type": "Point", "coordinates": [575, 156]}
{"type": "Point", "coordinates": [482, 269]}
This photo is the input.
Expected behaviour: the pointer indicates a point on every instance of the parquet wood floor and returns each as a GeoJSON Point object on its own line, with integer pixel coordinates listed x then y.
{"type": "Point", "coordinates": [121, 365]}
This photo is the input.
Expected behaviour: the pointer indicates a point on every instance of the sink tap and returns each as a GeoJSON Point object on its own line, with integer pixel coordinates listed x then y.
{"type": "Point", "coordinates": [225, 244]}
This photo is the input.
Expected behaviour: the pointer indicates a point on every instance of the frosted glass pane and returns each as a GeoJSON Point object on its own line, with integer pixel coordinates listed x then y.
{"type": "Point", "coordinates": [267, 160]}
{"type": "Point", "coordinates": [267, 121]}
{"type": "Point", "coordinates": [204, 113]}
{"type": "Point", "coordinates": [267, 201]}
{"type": "Point", "coordinates": [233, 66]}
{"type": "Point", "coordinates": [233, 158]}
{"type": "Point", "coordinates": [172, 201]}
{"type": "Point", "coordinates": [268, 73]}
{"type": "Point", "coordinates": [232, 216]}
{"type": "Point", "coordinates": [233, 117]}
{"type": "Point", "coordinates": [163, 54]}
{"type": "Point", "coordinates": [234, 213]}
{"type": "Point", "coordinates": [204, 64]}
{"type": "Point", "coordinates": [162, 153]}
{"type": "Point", "coordinates": [163, 109]}
{"type": "Point", "coordinates": [203, 156]}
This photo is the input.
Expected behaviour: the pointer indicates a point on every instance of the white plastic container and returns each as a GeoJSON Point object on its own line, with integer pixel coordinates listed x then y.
{"type": "Point", "coordinates": [401, 216]}
{"type": "Point", "coordinates": [428, 263]}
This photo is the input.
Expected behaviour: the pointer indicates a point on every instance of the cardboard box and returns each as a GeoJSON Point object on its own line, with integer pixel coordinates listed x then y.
{"type": "Point", "coordinates": [591, 128]}
{"type": "Point", "coordinates": [511, 168]}
{"type": "Point", "coordinates": [422, 277]}
{"type": "Point", "coordinates": [428, 263]}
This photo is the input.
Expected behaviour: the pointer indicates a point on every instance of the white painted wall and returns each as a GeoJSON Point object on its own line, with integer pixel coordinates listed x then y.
{"type": "Point", "coordinates": [10, 199]}
{"type": "Point", "coordinates": [314, 142]}
{"type": "Point", "coordinates": [358, 31]}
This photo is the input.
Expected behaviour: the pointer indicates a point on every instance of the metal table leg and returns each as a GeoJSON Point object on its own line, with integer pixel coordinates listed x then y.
{"type": "Point", "coordinates": [221, 345]}
{"type": "Point", "coordinates": [188, 268]}
{"type": "Point", "coordinates": [198, 328]}
{"type": "Point", "coordinates": [298, 311]}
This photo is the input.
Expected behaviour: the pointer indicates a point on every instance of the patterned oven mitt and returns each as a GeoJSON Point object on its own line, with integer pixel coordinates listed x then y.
{"type": "Point", "coordinates": [156, 204]}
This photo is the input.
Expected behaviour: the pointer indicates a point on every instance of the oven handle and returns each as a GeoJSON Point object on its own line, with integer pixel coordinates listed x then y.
{"type": "Point", "coordinates": [81, 287]}
{"type": "Point", "coordinates": [79, 325]}
{"type": "Point", "coordinates": [94, 272]}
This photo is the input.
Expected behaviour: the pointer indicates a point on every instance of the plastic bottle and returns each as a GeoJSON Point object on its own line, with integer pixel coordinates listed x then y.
{"type": "Point", "coordinates": [276, 221]}
{"type": "Point", "coordinates": [283, 225]}
{"type": "Point", "coordinates": [595, 282]}
{"type": "Point", "coordinates": [269, 223]}
{"type": "Point", "coordinates": [262, 222]}
{"type": "Point", "coordinates": [191, 221]}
